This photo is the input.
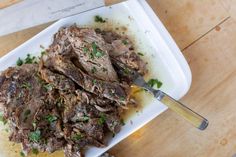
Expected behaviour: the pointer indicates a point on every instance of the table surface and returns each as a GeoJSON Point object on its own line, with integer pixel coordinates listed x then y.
{"type": "Point", "coordinates": [205, 31]}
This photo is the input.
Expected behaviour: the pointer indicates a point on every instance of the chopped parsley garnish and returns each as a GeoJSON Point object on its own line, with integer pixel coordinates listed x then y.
{"type": "Point", "coordinates": [96, 52]}
{"type": "Point", "coordinates": [22, 154]}
{"type": "Point", "coordinates": [140, 54]}
{"type": "Point", "coordinates": [30, 59]}
{"type": "Point", "coordinates": [85, 119]}
{"type": "Point", "coordinates": [35, 151]}
{"type": "Point", "coordinates": [94, 70]}
{"type": "Point", "coordinates": [99, 54]}
{"type": "Point", "coordinates": [122, 98]}
{"type": "Point", "coordinates": [43, 53]}
{"type": "Point", "coordinates": [85, 49]}
{"type": "Point", "coordinates": [27, 112]}
{"type": "Point", "coordinates": [77, 136]}
{"type": "Point", "coordinates": [91, 55]}
{"type": "Point", "coordinates": [125, 42]}
{"type": "Point", "coordinates": [94, 46]}
{"type": "Point", "coordinates": [98, 18]}
{"type": "Point", "coordinates": [126, 71]}
{"type": "Point", "coordinates": [26, 85]}
{"type": "Point", "coordinates": [94, 81]}
{"type": "Point", "coordinates": [102, 119]}
{"type": "Point", "coordinates": [48, 87]}
{"type": "Point", "coordinates": [51, 118]}
{"type": "Point", "coordinates": [154, 82]}
{"type": "Point", "coordinates": [35, 136]}
{"type": "Point", "coordinates": [2, 119]}
{"type": "Point", "coordinates": [19, 62]}
{"type": "Point", "coordinates": [19, 95]}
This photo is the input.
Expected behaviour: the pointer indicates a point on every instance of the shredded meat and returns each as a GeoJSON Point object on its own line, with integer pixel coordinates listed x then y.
{"type": "Point", "coordinates": [74, 96]}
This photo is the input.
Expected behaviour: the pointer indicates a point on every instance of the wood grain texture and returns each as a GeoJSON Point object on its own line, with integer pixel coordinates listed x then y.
{"type": "Point", "coordinates": [6, 3]}
{"type": "Point", "coordinates": [11, 41]}
{"type": "Point", "coordinates": [210, 50]}
{"type": "Point", "coordinates": [111, 2]}
{"type": "Point", "coordinates": [212, 61]}
{"type": "Point", "coordinates": [188, 20]}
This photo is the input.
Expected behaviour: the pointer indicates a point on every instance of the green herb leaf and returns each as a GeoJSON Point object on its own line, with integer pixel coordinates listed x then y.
{"type": "Point", "coordinates": [94, 70]}
{"type": "Point", "coordinates": [26, 85]}
{"type": "Point", "coordinates": [140, 54]}
{"type": "Point", "coordinates": [43, 53]}
{"type": "Point", "coordinates": [51, 118]}
{"type": "Point", "coordinates": [19, 62]}
{"type": "Point", "coordinates": [2, 119]}
{"type": "Point", "coordinates": [35, 151]}
{"type": "Point", "coordinates": [99, 54]}
{"type": "Point", "coordinates": [77, 136]}
{"type": "Point", "coordinates": [94, 81]}
{"type": "Point", "coordinates": [91, 55]}
{"type": "Point", "coordinates": [85, 119]}
{"type": "Point", "coordinates": [27, 112]}
{"type": "Point", "coordinates": [35, 136]}
{"type": "Point", "coordinates": [30, 59]}
{"type": "Point", "coordinates": [22, 154]}
{"type": "Point", "coordinates": [102, 119]}
{"type": "Point", "coordinates": [153, 82]}
{"type": "Point", "coordinates": [85, 49]}
{"type": "Point", "coordinates": [48, 87]}
{"type": "Point", "coordinates": [126, 71]}
{"type": "Point", "coordinates": [94, 46]}
{"type": "Point", "coordinates": [122, 98]}
{"type": "Point", "coordinates": [125, 42]}
{"type": "Point", "coordinates": [98, 18]}
{"type": "Point", "coordinates": [96, 52]}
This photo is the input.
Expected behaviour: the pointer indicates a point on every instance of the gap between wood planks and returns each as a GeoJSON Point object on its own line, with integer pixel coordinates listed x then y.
{"type": "Point", "coordinates": [224, 20]}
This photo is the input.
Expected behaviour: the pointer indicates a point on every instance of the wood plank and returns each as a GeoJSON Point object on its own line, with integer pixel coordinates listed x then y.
{"type": "Point", "coordinates": [187, 20]}
{"type": "Point", "coordinates": [7, 3]}
{"type": "Point", "coordinates": [111, 2]}
{"type": "Point", "coordinates": [212, 61]}
{"type": "Point", "coordinates": [11, 41]}
{"type": "Point", "coordinates": [230, 7]}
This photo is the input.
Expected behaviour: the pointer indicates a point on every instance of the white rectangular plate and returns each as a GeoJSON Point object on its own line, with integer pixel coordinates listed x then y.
{"type": "Point", "coordinates": [165, 61]}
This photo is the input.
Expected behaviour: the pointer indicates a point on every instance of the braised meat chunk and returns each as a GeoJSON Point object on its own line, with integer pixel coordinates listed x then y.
{"type": "Point", "coordinates": [74, 96]}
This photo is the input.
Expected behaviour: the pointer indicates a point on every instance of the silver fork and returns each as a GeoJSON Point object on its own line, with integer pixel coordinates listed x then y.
{"type": "Point", "coordinates": [194, 118]}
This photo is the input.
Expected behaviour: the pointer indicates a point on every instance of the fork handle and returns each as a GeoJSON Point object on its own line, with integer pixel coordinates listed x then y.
{"type": "Point", "coordinates": [194, 118]}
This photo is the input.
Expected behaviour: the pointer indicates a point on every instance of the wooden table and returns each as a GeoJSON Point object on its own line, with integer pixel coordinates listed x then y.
{"type": "Point", "coordinates": [205, 31]}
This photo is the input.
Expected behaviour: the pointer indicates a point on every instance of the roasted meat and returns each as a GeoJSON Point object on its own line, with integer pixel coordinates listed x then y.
{"type": "Point", "coordinates": [74, 96]}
